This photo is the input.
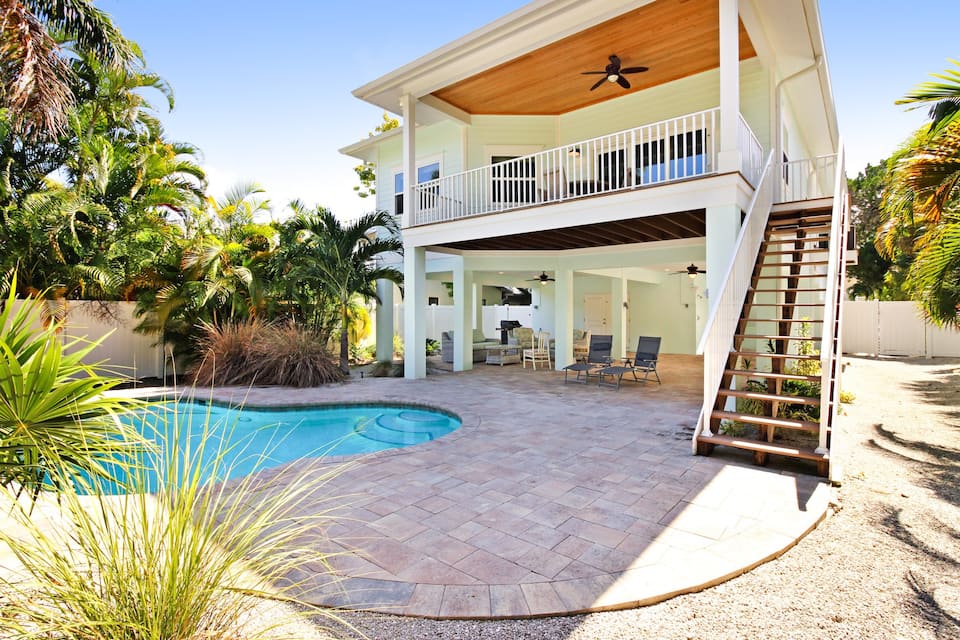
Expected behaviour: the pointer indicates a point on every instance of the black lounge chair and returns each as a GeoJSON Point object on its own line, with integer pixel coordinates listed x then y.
{"type": "Point", "coordinates": [598, 356]}
{"type": "Point", "coordinates": [644, 360]}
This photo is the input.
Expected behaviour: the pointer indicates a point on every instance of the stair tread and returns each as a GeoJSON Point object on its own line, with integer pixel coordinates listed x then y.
{"type": "Point", "coordinates": [785, 229]}
{"type": "Point", "coordinates": [785, 304]}
{"type": "Point", "coordinates": [788, 252]}
{"type": "Point", "coordinates": [771, 375]}
{"type": "Point", "coordinates": [763, 354]}
{"type": "Point", "coordinates": [803, 240]}
{"type": "Point", "coordinates": [794, 263]}
{"type": "Point", "coordinates": [787, 290]}
{"type": "Point", "coordinates": [792, 275]}
{"type": "Point", "coordinates": [783, 423]}
{"type": "Point", "coordinates": [782, 320]}
{"type": "Point", "coordinates": [768, 397]}
{"type": "Point", "coordinates": [765, 447]}
{"type": "Point", "coordinates": [751, 336]}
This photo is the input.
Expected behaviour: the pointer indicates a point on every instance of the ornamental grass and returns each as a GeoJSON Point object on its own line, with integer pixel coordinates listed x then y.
{"type": "Point", "coordinates": [253, 352]}
{"type": "Point", "coordinates": [185, 555]}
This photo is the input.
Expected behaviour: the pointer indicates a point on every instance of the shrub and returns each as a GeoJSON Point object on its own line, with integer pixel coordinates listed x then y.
{"type": "Point", "coordinates": [187, 559]}
{"type": "Point", "coordinates": [847, 397]}
{"type": "Point", "coordinates": [397, 346]}
{"type": "Point", "coordinates": [53, 406]}
{"type": "Point", "coordinates": [247, 353]}
{"type": "Point", "coordinates": [433, 347]}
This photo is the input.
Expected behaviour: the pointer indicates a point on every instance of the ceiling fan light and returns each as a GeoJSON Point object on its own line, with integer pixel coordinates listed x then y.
{"type": "Point", "coordinates": [574, 152]}
{"type": "Point", "coordinates": [613, 77]}
{"type": "Point", "coordinates": [692, 275]}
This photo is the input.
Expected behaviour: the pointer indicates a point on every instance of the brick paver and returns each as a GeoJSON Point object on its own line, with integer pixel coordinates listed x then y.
{"type": "Point", "coordinates": [550, 498]}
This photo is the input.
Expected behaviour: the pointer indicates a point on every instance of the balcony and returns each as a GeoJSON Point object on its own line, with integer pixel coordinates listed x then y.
{"type": "Point", "coordinates": [647, 156]}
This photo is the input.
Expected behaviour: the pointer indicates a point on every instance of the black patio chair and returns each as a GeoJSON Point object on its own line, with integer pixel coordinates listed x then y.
{"type": "Point", "coordinates": [644, 360]}
{"type": "Point", "coordinates": [598, 357]}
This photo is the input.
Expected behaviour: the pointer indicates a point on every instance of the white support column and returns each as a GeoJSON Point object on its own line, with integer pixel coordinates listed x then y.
{"type": "Point", "coordinates": [563, 318]}
{"type": "Point", "coordinates": [463, 317]}
{"type": "Point", "coordinates": [409, 110]}
{"type": "Point", "coordinates": [618, 299]}
{"type": "Point", "coordinates": [414, 312]}
{"type": "Point", "coordinates": [723, 226]}
{"type": "Point", "coordinates": [729, 159]}
{"type": "Point", "coordinates": [385, 321]}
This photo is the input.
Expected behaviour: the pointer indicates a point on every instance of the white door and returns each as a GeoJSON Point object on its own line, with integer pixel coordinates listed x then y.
{"type": "Point", "coordinates": [596, 313]}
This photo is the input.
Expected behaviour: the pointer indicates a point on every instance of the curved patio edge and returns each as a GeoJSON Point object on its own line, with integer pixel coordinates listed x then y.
{"type": "Point", "coordinates": [670, 575]}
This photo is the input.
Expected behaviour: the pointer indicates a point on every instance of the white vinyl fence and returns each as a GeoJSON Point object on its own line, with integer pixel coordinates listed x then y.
{"type": "Point", "coordinates": [894, 329]}
{"type": "Point", "coordinates": [124, 351]}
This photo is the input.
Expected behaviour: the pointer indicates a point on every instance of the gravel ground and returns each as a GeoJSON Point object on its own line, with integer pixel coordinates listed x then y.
{"type": "Point", "coordinates": [883, 565]}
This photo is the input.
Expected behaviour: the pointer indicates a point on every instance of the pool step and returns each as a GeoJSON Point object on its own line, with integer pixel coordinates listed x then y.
{"type": "Point", "coordinates": [407, 427]}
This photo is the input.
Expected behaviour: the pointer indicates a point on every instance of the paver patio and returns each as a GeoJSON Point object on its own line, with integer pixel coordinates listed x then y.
{"type": "Point", "coordinates": [550, 499]}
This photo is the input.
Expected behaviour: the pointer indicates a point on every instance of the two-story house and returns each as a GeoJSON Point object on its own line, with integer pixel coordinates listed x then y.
{"type": "Point", "coordinates": [672, 167]}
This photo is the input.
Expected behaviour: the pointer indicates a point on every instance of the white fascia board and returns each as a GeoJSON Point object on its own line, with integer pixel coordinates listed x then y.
{"type": "Point", "coordinates": [364, 149]}
{"type": "Point", "coordinates": [679, 196]}
{"type": "Point", "coordinates": [517, 33]}
{"type": "Point", "coordinates": [815, 27]}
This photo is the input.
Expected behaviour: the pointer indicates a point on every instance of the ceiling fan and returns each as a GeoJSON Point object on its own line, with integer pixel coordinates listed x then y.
{"type": "Point", "coordinates": [614, 73]}
{"type": "Point", "coordinates": [543, 278]}
{"type": "Point", "coordinates": [691, 271]}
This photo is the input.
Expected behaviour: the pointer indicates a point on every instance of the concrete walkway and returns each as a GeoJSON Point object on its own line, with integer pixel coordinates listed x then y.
{"type": "Point", "coordinates": [551, 499]}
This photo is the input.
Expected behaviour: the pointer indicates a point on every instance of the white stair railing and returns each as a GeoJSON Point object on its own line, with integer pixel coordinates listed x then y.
{"type": "Point", "coordinates": [829, 352]}
{"type": "Point", "coordinates": [808, 178]}
{"type": "Point", "coordinates": [717, 338]}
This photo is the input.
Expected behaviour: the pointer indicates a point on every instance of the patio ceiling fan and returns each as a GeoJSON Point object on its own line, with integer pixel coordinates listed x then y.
{"type": "Point", "coordinates": [543, 278]}
{"type": "Point", "coordinates": [614, 73]}
{"type": "Point", "coordinates": [691, 271]}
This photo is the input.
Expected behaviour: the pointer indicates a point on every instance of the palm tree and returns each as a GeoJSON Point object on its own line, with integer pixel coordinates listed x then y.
{"type": "Point", "coordinates": [943, 93]}
{"type": "Point", "coordinates": [35, 78]}
{"type": "Point", "coordinates": [342, 261]}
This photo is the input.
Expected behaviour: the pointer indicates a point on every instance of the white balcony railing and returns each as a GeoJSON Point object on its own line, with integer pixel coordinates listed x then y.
{"type": "Point", "coordinates": [808, 179]}
{"type": "Point", "coordinates": [652, 154]}
{"type": "Point", "coordinates": [717, 338]}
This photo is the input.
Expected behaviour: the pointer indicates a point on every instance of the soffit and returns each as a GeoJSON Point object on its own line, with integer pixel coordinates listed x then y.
{"type": "Point", "coordinates": [670, 226]}
{"type": "Point", "coordinates": [674, 38]}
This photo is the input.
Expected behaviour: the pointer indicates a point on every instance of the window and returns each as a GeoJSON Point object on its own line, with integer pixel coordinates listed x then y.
{"type": "Point", "coordinates": [612, 169]}
{"type": "Point", "coordinates": [686, 157]}
{"type": "Point", "coordinates": [786, 169]}
{"type": "Point", "coordinates": [426, 173]}
{"type": "Point", "coordinates": [650, 157]}
{"type": "Point", "coordinates": [513, 179]}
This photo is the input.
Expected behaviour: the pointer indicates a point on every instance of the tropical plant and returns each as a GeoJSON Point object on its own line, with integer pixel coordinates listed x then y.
{"type": "Point", "coordinates": [179, 557]}
{"type": "Point", "coordinates": [339, 262]}
{"type": "Point", "coordinates": [35, 80]}
{"type": "Point", "coordinates": [923, 218]}
{"type": "Point", "coordinates": [57, 428]}
{"type": "Point", "coordinates": [367, 171]}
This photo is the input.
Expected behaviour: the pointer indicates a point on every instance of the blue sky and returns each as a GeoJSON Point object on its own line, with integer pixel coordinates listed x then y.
{"type": "Point", "coordinates": [263, 89]}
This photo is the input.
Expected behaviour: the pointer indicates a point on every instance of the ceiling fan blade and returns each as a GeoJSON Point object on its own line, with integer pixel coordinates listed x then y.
{"type": "Point", "coordinates": [633, 70]}
{"type": "Point", "coordinates": [623, 82]}
{"type": "Point", "coordinates": [599, 82]}
{"type": "Point", "coordinates": [592, 73]}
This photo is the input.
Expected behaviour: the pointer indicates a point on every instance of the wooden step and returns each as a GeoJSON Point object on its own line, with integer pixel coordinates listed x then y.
{"type": "Point", "coordinates": [763, 447]}
{"type": "Point", "coordinates": [790, 252]}
{"type": "Point", "coordinates": [769, 375]}
{"type": "Point", "coordinates": [804, 240]}
{"type": "Point", "coordinates": [788, 290]}
{"type": "Point", "coordinates": [782, 320]}
{"type": "Point", "coordinates": [791, 275]}
{"type": "Point", "coordinates": [826, 227]}
{"type": "Point", "coordinates": [795, 263]}
{"type": "Point", "coordinates": [786, 304]}
{"type": "Point", "coordinates": [798, 221]}
{"type": "Point", "coordinates": [768, 397]}
{"type": "Point", "coordinates": [767, 421]}
{"type": "Point", "coordinates": [747, 336]}
{"type": "Point", "coordinates": [780, 356]}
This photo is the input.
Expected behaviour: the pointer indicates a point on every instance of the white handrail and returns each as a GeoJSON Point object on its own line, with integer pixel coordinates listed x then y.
{"type": "Point", "coordinates": [651, 154]}
{"type": "Point", "coordinates": [808, 178]}
{"type": "Point", "coordinates": [837, 244]}
{"type": "Point", "coordinates": [724, 315]}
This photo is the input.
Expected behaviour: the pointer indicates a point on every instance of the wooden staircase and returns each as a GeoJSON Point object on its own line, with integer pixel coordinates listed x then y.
{"type": "Point", "coordinates": [770, 393]}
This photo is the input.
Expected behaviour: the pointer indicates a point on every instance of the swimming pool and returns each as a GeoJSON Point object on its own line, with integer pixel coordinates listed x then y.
{"type": "Point", "coordinates": [230, 442]}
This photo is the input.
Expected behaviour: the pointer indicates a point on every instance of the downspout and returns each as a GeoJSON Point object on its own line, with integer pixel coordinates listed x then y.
{"type": "Point", "coordinates": [817, 61]}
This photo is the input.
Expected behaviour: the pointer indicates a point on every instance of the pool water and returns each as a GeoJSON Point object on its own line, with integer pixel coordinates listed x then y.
{"type": "Point", "coordinates": [232, 442]}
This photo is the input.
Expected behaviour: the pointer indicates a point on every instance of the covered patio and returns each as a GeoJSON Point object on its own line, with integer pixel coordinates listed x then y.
{"type": "Point", "coordinates": [551, 499]}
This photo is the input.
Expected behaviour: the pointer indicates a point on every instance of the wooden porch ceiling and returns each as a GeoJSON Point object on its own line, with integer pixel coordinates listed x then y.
{"type": "Point", "coordinates": [674, 38]}
{"type": "Point", "coordinates": [668, 226]}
